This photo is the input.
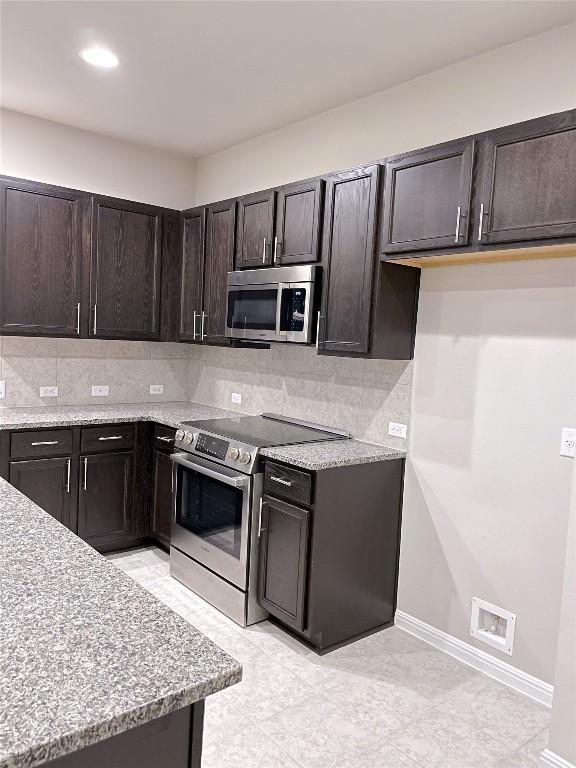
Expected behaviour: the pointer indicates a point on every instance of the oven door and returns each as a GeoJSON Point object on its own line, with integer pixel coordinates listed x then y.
{"type": "Point", "coordinates": [211, 514]}
{"type": "Point", "coordinates": [252, 312]}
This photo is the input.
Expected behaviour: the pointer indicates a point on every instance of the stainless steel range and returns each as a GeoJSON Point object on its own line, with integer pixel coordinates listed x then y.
{"type": "Point", "coordinates": [217, 492]}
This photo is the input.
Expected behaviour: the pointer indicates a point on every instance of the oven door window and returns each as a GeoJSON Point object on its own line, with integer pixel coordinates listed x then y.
{"type": "Point", "coordinates": [252, 309]}
{"type": "Point", "coordinates": [210, 510]}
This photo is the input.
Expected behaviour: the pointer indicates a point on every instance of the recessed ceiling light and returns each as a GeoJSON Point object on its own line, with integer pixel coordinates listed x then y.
{"type": "Point", "coordinates": [99, 57]}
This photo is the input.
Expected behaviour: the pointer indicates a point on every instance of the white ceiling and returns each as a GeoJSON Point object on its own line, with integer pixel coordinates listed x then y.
{"type": "Point", "coordinates": [199, 76]}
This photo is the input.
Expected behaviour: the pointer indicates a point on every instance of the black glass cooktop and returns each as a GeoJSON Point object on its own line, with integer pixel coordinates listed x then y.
{"type": "Point", "coordinates": [262, 431]}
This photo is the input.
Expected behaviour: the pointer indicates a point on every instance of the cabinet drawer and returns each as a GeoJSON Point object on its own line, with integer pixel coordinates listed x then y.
{"type": "Point", "coordinates": [288, 483]}
{"type": "Point", "coordinates": [118, 437]}
{"type": "Point", "coordinates": [164, 438]}
{"type": "Point", "coordinates": [45, 443]}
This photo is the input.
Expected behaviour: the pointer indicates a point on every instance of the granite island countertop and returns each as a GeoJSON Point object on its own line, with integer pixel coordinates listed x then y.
{"type": "Point", "coordinates": [335, 453]}
{"type": "Point", "coordinates": [85, 652]}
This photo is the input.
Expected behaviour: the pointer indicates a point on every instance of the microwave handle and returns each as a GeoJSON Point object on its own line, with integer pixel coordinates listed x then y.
{"type": "Point", "coordinates": [281, 287]}
{"type": "Point", "coordinates": [240, 481]}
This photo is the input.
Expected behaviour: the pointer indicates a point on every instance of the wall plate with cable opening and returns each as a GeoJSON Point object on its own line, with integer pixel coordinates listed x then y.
{"type": "Point", "coordinates": [493, 625]}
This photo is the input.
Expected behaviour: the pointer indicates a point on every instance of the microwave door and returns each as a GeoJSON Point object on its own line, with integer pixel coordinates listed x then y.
{"type": "Point", "coordinates": [252, 312]}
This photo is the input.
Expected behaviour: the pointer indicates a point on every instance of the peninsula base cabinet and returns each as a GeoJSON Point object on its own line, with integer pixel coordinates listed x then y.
{"type": "Point", "coordinates": [48, 482]}
{"type": "Point", "coordinates": [329, 546]}
{"type": "Point", "coordinates": [174, 739]}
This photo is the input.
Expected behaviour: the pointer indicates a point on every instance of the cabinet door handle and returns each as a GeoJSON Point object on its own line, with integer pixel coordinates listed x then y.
{"type": "Point", "coordinates": [204, 316]}
{"type": "Point", "coordinates": [275, 250]}
{"type": "Point", "coordinates": [68, 476]}
{"type": "Point", "coordinates": [46, 442]}
{"type": "Point", "coordinates": [458, 216]}
{"type": "Point", "coordinates": [318, 331]}
{"type": "Point", "coordinates": [166, 439]}
{"type": "Point", "coordinates": [480, 226]}
{"type": "Point", "coordinates": [194, 331]}
{"type": "Point", "coordinates": [78, 319]}
{"type": "Point", "coordinates": [95, 317]}
{"type": "Point", "coordinates": [280, 480]}
{"type": "Point", "coordinates": [85, 474]}
{"type": "Point", "coordinates": [260, 529]}
{"type": "Point", "coordinates": [113, 437]}
{"type": "Point", "coordinates": [264, 252]}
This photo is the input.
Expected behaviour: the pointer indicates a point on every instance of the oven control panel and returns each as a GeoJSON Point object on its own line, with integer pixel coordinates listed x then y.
{"type": "Point", "coordinates": [212, 446]}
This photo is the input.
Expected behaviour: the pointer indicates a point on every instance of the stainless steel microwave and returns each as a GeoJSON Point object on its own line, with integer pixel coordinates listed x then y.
{"type": "Point", "coordinates": [271, 304]}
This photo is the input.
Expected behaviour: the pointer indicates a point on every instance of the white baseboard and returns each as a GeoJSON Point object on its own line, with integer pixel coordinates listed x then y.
{"type": "Point", "coordinates": [552, 760]}
{"type": "Point", "coordinates": [520, 681]}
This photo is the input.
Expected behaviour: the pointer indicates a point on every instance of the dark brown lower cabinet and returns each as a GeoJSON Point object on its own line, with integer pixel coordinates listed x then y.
{"type": "Point", "coordinates": [48, 482]}
{"type": "Point", "coordinates": [283, 561]}
{"type": "Point", "coordinates": [105, 501]}
{"type": "Point", "coordinates": [162, 506]}
{"type": "Point", "coordinates": [329, 568]}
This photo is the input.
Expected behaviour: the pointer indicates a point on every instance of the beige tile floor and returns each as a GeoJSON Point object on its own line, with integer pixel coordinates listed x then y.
{"type": "Point", "coordinates": [388, 701]}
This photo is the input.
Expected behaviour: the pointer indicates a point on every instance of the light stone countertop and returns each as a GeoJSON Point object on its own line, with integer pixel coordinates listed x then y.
{"type": "Point", "coordinates": [85, 652]}
{"type": "Point", "coordinates": [336, 453]}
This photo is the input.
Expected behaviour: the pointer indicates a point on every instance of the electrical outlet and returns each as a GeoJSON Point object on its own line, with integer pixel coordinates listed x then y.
{"type": "Point", "coordinates": [156, 389]}
{"type": "Point", "coordinates": [397, 430]}
{"type": "Point", "coordinates": [568, 445]}
{"type": "Point", "coordinates": [48, 391]}
{"type": "Point", "coordinates": [2, 390]}
{"type": "Point", "coordinates": [100, 391]}
{"type": "Point", "coordinates": [237, 398]}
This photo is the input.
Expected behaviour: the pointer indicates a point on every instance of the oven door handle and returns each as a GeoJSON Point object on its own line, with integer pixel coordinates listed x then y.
{"type": "Point", "coordinates": [236, 481]}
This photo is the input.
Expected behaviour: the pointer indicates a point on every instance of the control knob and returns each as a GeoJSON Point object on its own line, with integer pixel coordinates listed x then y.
{"type": "Point", "coordinates": [180, 435]}
{"type": "Point", "coordinates": [234, 454]}
{"type": "Point", "coordinates": [245, 458]}
{"type": "Point", "coordinates": [188, 437]}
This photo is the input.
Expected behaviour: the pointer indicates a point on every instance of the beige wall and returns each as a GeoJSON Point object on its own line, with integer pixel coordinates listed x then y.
{"type": "Point", "coordinates": [75, 365]}
{"type": "Point", "coordinates": [357, 395]}
{"type": "Point", "coordinates": [486, 491]}
{"type": "Point", "coordinates": [41, 150]}
{"type": "Point", "coordinates": [517, 82]}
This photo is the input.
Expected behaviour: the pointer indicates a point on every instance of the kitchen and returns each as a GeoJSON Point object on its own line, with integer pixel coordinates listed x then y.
{"type": "Point", "coordinates": [152, 324]}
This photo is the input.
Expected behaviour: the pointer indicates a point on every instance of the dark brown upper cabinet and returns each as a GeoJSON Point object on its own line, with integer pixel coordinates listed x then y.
{"type": "Point", "coordinates": [427, 199]}
{"type": "Point", "coordinates": [125, 269]}
{"type": "Point", "coordinates": [527, 185]}
{"type": "Point", "coordinates": [193, 251]}
{"type": "Point", "coordinates": [348, 253]}
{"type": "Point", "coordinates": [43, 231]}
{"type": "Point", "coordinates": [207, 257]}
{"type": "Point", "coordinates": [255, 230]}
{"type": "Point", "coordinates": [368, 307]}
{"type": "Point", "coordinates": [298, 220]}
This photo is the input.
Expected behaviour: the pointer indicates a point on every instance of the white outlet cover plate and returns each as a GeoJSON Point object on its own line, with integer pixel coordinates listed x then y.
{"type": "Point", "coordinates": [504, 644]}
{"type": "Point", "coordinates": [156, 389]}
{"type": "Point", "coordinates": [48, 391]}
{"type": "Point", "coordinates": [100, 391]}
{"type": "Point", "coordinates": [397, 430]}
{"type": "Point", "coordinates": [568, 445]}
{"type": "Point", "coordinates": [237, 398]}
{"type": "Point", "coordinates": [2, 390]}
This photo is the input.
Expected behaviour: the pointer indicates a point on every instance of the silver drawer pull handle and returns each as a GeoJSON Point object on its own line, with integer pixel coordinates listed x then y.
{"type": "Point", "coordinates": [458, 217]}
{"type": "Point", "coordinates": [166, 439]}
{"type": "Point", "coordinates": [481, 224]}
{"type": "Point", "coordinates": [85, 474]}
{"type": "Point", "coordinates": [46, 442]}
{"type": "Point", "coordinates": [68, 476]}
{"type": "Point", "coordinates": [114, 437]}
{"type": "Point", "coordinates": [280, 480]}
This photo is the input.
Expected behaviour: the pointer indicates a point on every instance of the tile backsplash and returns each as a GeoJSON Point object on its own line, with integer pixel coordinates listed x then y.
{"type": "Point", "coordinates": [128, 368]}
{"type": "Point", "coordinates": [361, 396]}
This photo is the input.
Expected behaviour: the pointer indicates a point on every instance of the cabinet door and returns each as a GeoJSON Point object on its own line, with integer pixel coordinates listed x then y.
{"type": "Point", "coordinates": [427, 199]}
{"type": "Point", "coordinates": [48, 482]}
{"type": "Point", "coordinates": [220, 225]}
{"type": "Point", "coordinates": [528, 181]}
{"type": "Point", "coordinates": [40, 259]}
{"type": "Point", "coordinates": [348, 242]}
{"type": "Point", "coordinates": [125, 270]}
{"type": "Point", "coordinates": [193, 248]}
{"type": "Point", "coordinates": [255, 230]}
{"type": "Point", "coordinates": [283, 562]}
{"type": "Point", "coordinates": [298, 215]}
{"type": "Point", "coordinates": [105, 509]}
{"type": "Point", "coordinates": [162, 510]}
